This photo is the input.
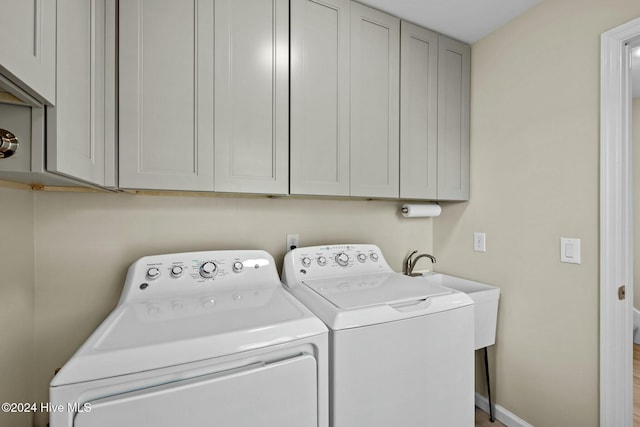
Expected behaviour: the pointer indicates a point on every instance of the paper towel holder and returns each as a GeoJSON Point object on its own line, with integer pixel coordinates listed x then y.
{"type": "Point", "coordinates": [420, 210]}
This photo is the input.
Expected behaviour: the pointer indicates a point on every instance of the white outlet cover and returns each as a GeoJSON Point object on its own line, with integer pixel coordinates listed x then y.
{"type": "Point", "coordinates": [479, 242]}
{"type": "Point", "coordinates": [293, 241]}
{"type": "Point", "coordinates": [570, 250]}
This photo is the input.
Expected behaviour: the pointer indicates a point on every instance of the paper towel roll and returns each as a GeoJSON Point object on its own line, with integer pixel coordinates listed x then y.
{"type": "Point", "coordinates": [421, 211]}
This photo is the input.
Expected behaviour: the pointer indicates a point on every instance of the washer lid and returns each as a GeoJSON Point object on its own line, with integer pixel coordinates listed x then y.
{"type": "Point", "coordinates": [145, 335]}
{"type": "Point", "coordinates": [353, 292]}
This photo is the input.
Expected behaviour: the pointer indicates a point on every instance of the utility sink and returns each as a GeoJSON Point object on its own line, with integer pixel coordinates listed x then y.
{"type": "Point", "coordinates": [485, 298]}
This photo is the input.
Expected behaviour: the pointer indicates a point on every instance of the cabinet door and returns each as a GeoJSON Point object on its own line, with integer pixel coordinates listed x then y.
{"type": "Point", "coordinates": [375, 63]}
{"type": "Point", "coordinates": [76, 125]}
{"type": "Point", "coordinates": [320, 97]}
{"type": "Point", "coordinates": [454, 66]}
{"type": "Point", "coordinates": [418, 113]}
{"type": "Point", "coordinates": [252, 96]}
{"type": "Point", "coordinates": [166, 111]}
{"type": "Point", "coordinates": [27, 45]}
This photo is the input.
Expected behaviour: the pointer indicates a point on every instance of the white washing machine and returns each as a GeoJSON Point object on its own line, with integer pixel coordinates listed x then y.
{"type": "Point", "coordinates": [199, 339]}
{"type": "Point", "coordinates": [401, 350]}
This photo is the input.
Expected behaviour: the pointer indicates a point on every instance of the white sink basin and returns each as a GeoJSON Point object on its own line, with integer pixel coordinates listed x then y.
{"type": "Point", "coordinates": [485, 298]}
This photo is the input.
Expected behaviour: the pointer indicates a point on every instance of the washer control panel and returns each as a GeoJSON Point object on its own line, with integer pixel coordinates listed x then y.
{"type": "Point", "coordinates": [335, 260]}
{"type": "Point", "coordinates": [173, 276]}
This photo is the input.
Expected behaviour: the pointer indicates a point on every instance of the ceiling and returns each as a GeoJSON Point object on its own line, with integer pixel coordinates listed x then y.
{"type": "Point", "coordinates": [465, 20]}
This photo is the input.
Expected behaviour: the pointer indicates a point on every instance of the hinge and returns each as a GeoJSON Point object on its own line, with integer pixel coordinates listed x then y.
{"type": "Point", "coordinates": [622, 292]}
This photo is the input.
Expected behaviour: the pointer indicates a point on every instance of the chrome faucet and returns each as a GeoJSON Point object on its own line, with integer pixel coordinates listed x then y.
{"type": "Point", "coordinates": [410, 263]}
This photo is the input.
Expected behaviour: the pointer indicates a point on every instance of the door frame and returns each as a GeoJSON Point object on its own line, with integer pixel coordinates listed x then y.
{"type": "Point", "coordinates": [616, 227]}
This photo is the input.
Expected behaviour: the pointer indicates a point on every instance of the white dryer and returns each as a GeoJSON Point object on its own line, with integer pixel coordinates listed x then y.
{"type": "Point", "coordinates": [199, 339]}
{"type": "Point", "coordinates": [401, 350]}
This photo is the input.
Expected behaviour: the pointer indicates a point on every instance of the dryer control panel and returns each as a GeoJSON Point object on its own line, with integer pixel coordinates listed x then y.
{"type": "Point", "coordinates": [184, 274]}
{"type": "Point", "coordinates": [317, 262]}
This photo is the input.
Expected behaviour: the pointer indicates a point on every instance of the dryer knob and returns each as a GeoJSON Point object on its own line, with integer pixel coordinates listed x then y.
{"type": "Point", "coordinates": [208, 269]}
{"type": "Point", "coordinates": [153, 273]}
{"type": "Point", "coordinates": [374, 257]}
{"type": "Point", "coordinates": [362, 257]}
{"type": "Point", "coordinates": [177, 271]}
{"type": "Point", "coordinates": [306, 261]}
{"type": "Point", "coordinates": [237, 266]}
{"type": "Point", "coordinates": [342, 259]}
{"type": "Point", "coordinates": [322, 260]}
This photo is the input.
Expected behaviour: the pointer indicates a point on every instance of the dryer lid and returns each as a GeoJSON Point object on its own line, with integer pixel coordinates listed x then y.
{"type": "Point", "coordinates": [145, 335]}
{"type": "Point", "coordinates": [353, 292]}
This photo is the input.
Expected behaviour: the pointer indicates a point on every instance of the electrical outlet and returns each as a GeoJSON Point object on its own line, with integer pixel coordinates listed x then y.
{"type": "Point", "coordinates": [479, 242]}
{"type": "Point", "coordinates": [293, 241]}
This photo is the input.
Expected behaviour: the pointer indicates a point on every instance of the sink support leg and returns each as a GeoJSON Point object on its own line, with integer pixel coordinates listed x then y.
{"type": "Point", "coordinates": [486, 370]}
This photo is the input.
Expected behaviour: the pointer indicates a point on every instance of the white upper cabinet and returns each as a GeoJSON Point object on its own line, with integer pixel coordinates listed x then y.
{"type": "Point", "coordinates": [454, 63]}
{"type": "Point", "coordinates": [320, 52]}
{"type": "Point", "coordinates": [434, 116]}
{"type": "Point", "coordinates": [375, 103]}
{"type": "Point", "coordinates": [84, 115]}
{"type": "Point", "coordinates": [187, 124]}
{"type": "Point", "coordinates": [166, 94]}
{"type": "Point", "coordinates": [27, 45]}
{"type": "Point", "coordinates": [418, 113]}
{"type": "Point", "coordinates": [252, 96]}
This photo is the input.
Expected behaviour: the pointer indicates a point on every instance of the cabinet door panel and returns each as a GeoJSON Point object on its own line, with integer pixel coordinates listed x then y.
{"type": "Point", "coordinates": [76, 125]}
{"type": "Point", "coordinates": [374, 103]}
{"type": "Point", "coordinates": [418, 113]}
{"type": "Point", "coordinates": [320, 97]}
{"type": "Point", "coordinates": [453, 119]}
{"type": "Point", "coordinates": [28, 45]}
{"type": "Point", "coordinates": [166, 94]}
{"type": "Point", "coordinates": [252, 96]}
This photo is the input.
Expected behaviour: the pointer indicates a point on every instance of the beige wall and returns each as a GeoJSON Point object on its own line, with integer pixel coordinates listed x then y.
{"type": "Point", "coordinates": [534, 179]}
{"type": "Point", "coordinates": [86, 242]}
{"type": "Point", "coordinates": [16, 303]}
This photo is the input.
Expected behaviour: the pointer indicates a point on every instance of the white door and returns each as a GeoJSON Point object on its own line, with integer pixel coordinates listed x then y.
{"type": "Point", "coordinates": [418, 113]}
{"type": "Point", "coordinates": [281, 394]}
{"type": "Point", "coordinates": [252, 96]}
{"type": "Point", "coordinates": [320, 52]}
{"type": "Point", "coordinates": [28, 45]}
{"type": "Point", "coordinates": [166, 86]}
{"type": "Point", "coordinates": [454, 74]}
{"type": "Point", "coordinates": [375, 102]}
{"type": "Point", "coordinates": [76, 126]}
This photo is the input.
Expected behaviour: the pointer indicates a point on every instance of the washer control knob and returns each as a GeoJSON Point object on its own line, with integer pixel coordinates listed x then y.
{"type": "Point", "coordinates": [153, 273]}
{"type": "Point", "coordinates": [342, 259]}
{"type": "Point", "coordinates": [237, 266]}
{"type": "Point", "coordinates": [306, 261]}
{"type": "Point", "coordinates": [374, 257]}
{"type": "Point", "coordinates": [208, 269]}
{"type": "Point", "coordinates": [362, 257]}
{"type": "Point", "coordinates": [322, 260]}
{"type": "Point", "coordinates": [177, 271]}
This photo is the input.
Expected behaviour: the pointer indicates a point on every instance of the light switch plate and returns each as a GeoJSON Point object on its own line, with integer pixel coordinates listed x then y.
{"type": "Point", "coordinates": [570, 250]}
{"type": "Point", "coordinates": [479, 242]}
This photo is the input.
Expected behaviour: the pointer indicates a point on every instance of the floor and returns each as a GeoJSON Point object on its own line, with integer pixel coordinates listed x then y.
{"type": "Point", "coordinates": [636, 385]}
{"type": "Point", "coordinates": [482, 419]}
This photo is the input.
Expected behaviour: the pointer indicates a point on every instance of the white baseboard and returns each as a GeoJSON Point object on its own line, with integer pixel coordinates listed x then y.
{"type": "Point", "coordinates": [501, 414]}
